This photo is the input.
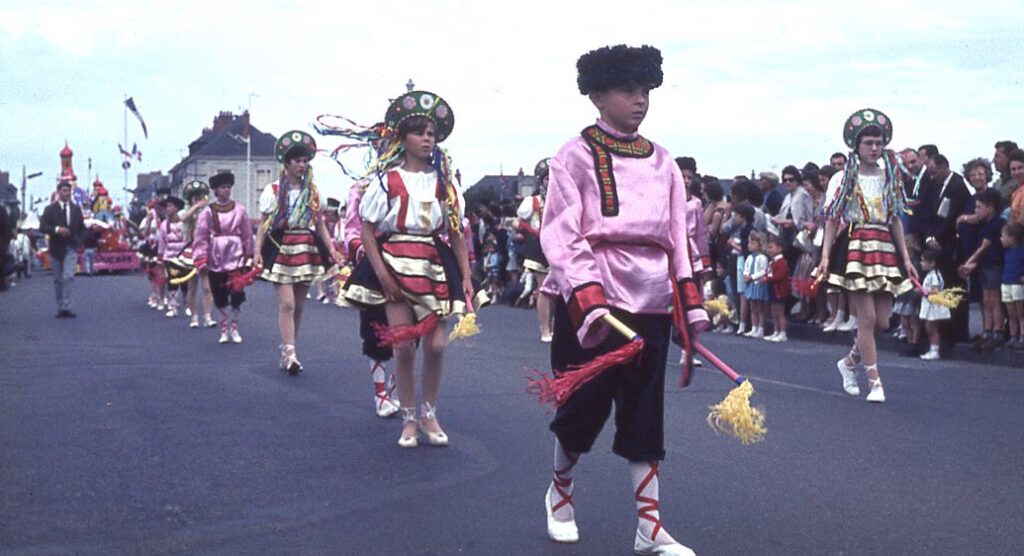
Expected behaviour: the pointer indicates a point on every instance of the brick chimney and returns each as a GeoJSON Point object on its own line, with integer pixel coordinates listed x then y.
{"type": "Point", "coordinates": [222, 121]}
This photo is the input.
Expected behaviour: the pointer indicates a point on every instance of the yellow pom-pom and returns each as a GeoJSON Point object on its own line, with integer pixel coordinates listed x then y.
{"type": "Point", "coordinates": [735, 417]}
{"type": "Point", "coordinates": [719, 306]}
{"type": "Point", "coordinates": [950, 298]}
{"type": "Point", "coordinates": [465, 328]}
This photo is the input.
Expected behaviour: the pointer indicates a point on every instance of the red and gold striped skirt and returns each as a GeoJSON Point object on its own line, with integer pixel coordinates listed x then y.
{"type": "Point", "coordinates": [868, 261]}
{"type": "Point", "coordinates": [293, 256]}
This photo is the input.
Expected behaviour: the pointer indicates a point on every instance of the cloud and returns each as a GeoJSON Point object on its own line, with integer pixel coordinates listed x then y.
{"type": "Point", "coordinates": [748, 85]}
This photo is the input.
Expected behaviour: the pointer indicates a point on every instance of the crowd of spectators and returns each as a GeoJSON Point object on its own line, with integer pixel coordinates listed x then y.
{"type": "Point", "coordinates": [963, 231]}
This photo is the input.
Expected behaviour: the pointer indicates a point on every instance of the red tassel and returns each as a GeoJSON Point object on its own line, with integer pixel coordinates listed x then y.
{"type": "Point", "coordinates": [558, 389]}
{"type": "Point", "coordinates": [679, 319]}
{"type": "Point", "coordinates": [390, 335]}
{"type": "Point", "coordinates": [238, 280]}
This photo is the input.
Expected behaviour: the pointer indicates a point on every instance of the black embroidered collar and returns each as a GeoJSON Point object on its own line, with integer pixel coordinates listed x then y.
{"type": "Point", "coordinates": [602, 146]}
{"type": "Point", "coordinates": [630, 148]}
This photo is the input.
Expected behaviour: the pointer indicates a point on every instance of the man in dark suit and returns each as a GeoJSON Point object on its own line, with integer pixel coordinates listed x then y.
{"type": "Point", "coordinates": [949, 203]}
{"type": "Point", "coordinates": [62, 222]}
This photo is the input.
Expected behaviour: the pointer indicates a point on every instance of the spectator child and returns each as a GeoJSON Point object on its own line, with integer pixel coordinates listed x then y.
{"type": "Point", "coordinates": [908, 305]}
{"type": "Point", "coordinates": [987, 263]}
{"type": "Point", "coordinates": [931, 313]}
{"type": "Point", "coordinates": [754, 271]}
{"type": "Point", "coordinates": [492, 266]}
{"type": "Point", "coordinates": [778, 282]}
{"type": "Point", "coordinates": [743, 224]}
{"type": "Point", "coordinates": [1012, 290]}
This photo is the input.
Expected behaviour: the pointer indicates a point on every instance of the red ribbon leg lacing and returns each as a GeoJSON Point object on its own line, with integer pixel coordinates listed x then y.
{"type": "Point", "coordinates": [563, 483]}
{"type": "Point", "coordinates": [651, 504]}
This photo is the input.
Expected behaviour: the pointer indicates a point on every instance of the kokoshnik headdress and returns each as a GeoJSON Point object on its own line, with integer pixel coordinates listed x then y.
{"type": "Point", "coordinates": [893, 200]}
{"type": "Point", "coordinates": [294, 144]}
{"type": "Point", "coordinates": [385, 150]}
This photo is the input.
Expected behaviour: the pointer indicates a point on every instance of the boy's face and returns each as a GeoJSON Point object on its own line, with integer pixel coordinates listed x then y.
{"type": "Point", "coordinates": [623, 107]}
{"type": "Point", "coordinates": [774, 249]}
{"type": "Point", "coordinates": [983, 211]}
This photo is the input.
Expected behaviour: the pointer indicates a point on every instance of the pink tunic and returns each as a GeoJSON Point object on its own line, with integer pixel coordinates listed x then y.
{"type": "Point", "coordinates": [224, 250]}
{"type": "Point", "coordinates": [171, 239]}
{"type": "Point", "coordinates": [625, 260]}
{"type": "Point", "coordinates": [352, 235]}
{"type": "Point", "coordinates": [697, 229]}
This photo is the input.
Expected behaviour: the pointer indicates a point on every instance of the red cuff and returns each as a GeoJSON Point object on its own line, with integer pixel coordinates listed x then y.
{"type": "Point", "coordinates": [584, 299]}
{"type": "Point", "coordinates": [690, 294]}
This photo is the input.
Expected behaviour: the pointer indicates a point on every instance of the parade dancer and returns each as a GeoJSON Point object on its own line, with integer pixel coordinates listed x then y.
{"type": "Point", "coordinates": [223, 242]}
{"type": "Point", "coordinates": [292, 246]}
{"type": "Point", "coordinates": [530, 213]}
{"type": "Point", "coordinates": [371, 317]}
{"type": "Point", "coordinates": [410, 271]}
{"type": "Point", "coordinates": [871, 262]}
{"type": "Point", "coordinates": [196, 193]}
{"type": "Point", "coordinates": [171, 242]}
{"type": "Point", "coordinates": [615, 233]}
{"type": "Point", "coordinates": [149, 251]}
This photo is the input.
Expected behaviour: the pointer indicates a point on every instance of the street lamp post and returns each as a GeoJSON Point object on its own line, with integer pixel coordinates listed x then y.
{"type": "Point", "coordinates": [24, 187]}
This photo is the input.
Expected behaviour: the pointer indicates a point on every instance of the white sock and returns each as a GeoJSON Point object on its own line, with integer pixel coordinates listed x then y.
{"type": "Point", "coordinates": [379, 374]}
{"type": "Point", "coordinates": [645, 490]}
{"type": "Point", "coordinates": [934, 348]}
{"type": "Point", "coordinates": [562, 484]}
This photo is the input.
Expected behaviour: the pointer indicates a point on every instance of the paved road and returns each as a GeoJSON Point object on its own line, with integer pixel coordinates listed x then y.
{"type": "Point", "coordinates": [124, 432]}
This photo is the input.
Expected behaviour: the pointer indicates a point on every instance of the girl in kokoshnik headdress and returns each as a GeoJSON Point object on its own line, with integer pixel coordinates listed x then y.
{"type": "Point", "coordinates": [149, 251]}
{"type": "Point", "coordinates": [196, 195]}
{"type": "Point", "coordinates": [530, 214]}
{"type": "Point", "coordinates": [871, 262]}
{"type": "Point", "coordinates": [293, 245]}
{"type": "Point", "coordinates": [615, 234]}
{"type": "Point", "coordinates": [408, 268]}
{"type": "Point", "coordinates": [223, 242]}
{"type": "Point", "coordinates": [172, 243]}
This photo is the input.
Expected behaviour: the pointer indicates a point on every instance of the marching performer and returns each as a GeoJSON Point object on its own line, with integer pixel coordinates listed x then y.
{"type": "Point", "coordinates": [530, 213]}
{"type": "Point", "coordinates": [371, 317]}
{"type": "Point", "coordinates": [870, 263]}
{"type": "Point", "coordinates": [223, 242]}
{"type": "Point", "coordinates": [149, 250]}
{"type": "Point", "coordinates": [408, 268]}
{"type": "Point", "coordinates": [172, 246]}
{"type": "Point", "coordinates": [615, 233]}
{"type": "Point", "coordinates": [196, 195]}
{"type": "Point", "coordinates": [292, 245]}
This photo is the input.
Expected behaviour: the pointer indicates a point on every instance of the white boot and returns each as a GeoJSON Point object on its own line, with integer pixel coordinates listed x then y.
{"type": "Point", "coordinates": [558, 499]}
{"type": "Point", "coordinates": [650, 537]}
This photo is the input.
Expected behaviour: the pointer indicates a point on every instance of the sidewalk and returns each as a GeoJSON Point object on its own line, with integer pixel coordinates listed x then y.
{"type": "Point", "coordinates": [886, 343]}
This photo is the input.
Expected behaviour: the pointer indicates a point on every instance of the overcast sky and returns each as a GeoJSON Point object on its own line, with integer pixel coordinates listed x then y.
{"type": "Point", "coordinates": [746, 88]}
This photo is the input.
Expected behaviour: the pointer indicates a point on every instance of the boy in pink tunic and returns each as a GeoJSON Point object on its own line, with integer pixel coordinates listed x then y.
{"type": "Point", "coordinates": [223, 243]}
{"type": "Point", "coordinates": [383, 404]}
{"type": "Point", "coordinates": [615, 235]}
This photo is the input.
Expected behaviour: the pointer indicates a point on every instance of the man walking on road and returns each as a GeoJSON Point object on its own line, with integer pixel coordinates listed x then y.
{"type": "Point", "coordinates": [62, 222]}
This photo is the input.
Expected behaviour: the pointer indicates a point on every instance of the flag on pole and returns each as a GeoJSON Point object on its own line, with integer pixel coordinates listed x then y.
{"type": "Point", "coordinates": [130, 103]}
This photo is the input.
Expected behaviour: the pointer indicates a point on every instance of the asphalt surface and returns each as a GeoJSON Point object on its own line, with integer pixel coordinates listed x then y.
{"type": "Point", "coordinates": [125, 432]}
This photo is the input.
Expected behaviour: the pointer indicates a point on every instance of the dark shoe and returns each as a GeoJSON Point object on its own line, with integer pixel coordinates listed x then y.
{"type": "Point", "coordinates": [65, 314]}
{"type": "Point", "coordinates": [978, 340]}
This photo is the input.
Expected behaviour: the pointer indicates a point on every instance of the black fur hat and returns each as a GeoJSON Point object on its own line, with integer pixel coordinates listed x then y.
{"type": "Point", "coordinates": [612, 66]}
{"type": "Point", "coordinates": [223, 178]}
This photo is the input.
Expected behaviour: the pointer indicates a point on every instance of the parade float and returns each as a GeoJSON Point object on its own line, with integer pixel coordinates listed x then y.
{"type": "Point", "coordinates": [114, 252]}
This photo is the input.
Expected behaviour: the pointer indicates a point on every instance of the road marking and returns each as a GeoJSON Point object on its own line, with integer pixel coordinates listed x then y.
{"type": "Point", "coordinates": [797, 386]}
